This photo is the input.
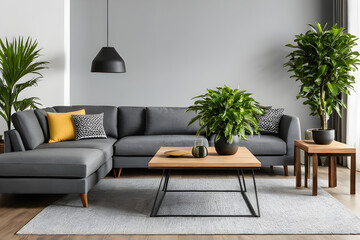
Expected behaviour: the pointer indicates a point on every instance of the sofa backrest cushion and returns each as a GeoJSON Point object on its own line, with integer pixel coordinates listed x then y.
{"type": "Point", "coordinates": [41, 115]}
{"type": "Point", "coordinates": [27, 124]}
{"type": "Point", "coordinates": [131, 121]}
{"type": "Point", "coordinates": [169, 120]}
{"type": "Point", "coordinates": [110, 115]}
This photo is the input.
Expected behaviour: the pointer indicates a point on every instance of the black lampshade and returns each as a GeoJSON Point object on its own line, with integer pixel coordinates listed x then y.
{"type": "Point", "coordinates": [108, 61]}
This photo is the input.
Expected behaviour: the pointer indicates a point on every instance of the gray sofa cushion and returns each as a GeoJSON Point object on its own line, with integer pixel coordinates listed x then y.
{"type": "Point", "coordinates": [169, 120]}
{"type": "Point", "coordinates": [104, 145]}
{"type": "Point", "coordinates": [266, 145]}
{"type": "Point", "coordinates": [70, 163]}
{"type": "Point", "coordinates": [131, 121]}
{"type": "Point", "coordinates": [41, 115]}
{"type": "Point", "coordinates": [110, 115]}
{"type": "Point", "coordinates": [29, 128]}
{"type": "Point", "coordinates": [149, 145]}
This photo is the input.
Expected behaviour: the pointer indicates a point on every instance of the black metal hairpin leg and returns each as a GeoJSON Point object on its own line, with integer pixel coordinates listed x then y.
{"type": "Point", "coordinates": [167, 176]}
{"type": "Point", "coordinates": [160, 193]}
{"type": "Point", "coordinates": [240, 183]}
{"type": "Point", "coordinates": [243, 178]}
{"type": "Point", "coordinates": [162, 190]}
{"type": "Point", "coordinates": [256, 195]}
{"type": "Point", "coordinates": [244, 195]}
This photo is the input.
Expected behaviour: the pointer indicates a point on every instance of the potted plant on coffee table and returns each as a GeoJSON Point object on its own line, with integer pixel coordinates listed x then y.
{"type": "Point", "coordinates": [228, 113]}
{"type": "Point", "coordinates": [322, 61]}
{"type": "Point", "coordinates": [18, 59]}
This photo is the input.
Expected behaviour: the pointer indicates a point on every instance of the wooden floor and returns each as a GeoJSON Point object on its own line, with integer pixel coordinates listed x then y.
{"type": "Point", "coordinates": [17, 210]}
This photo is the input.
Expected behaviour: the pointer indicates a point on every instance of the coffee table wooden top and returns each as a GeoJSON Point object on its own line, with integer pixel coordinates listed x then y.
{"type": "Point", "coordinates": [243, 158]}
{"type": "Point", "coordinates": [335, 147]}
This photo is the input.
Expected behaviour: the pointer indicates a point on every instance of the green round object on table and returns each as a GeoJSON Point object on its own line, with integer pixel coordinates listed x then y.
{"type": "Point", "coordinates": [199, 151]}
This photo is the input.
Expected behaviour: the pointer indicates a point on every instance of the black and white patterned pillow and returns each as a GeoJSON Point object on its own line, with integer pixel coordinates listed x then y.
{"type": "Point", "coordinates": [269, 123]}
{"type": "Point", "coordinates": [89, 126]}
{"type": "Point", "coordinates": [265, 108]}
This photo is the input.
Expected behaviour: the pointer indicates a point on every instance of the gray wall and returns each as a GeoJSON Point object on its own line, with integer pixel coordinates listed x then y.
{"type": "Point", "coordinates": [175, 49]}
{"type": "Point", "coordinates": [42, 20]}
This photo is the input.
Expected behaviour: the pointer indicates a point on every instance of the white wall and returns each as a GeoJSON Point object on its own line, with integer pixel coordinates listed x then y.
{"type": "Point", "coordinates": [175, 49]}
{"type": "Point", "coordinates": [42, 20]}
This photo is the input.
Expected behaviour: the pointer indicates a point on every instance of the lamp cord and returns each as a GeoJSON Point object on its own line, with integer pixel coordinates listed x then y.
{"type": "Point", "coordinates": [107, 23]}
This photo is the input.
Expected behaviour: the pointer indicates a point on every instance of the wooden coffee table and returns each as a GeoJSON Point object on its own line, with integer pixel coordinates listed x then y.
{"type": "Point", "coordinates": [243, 159]}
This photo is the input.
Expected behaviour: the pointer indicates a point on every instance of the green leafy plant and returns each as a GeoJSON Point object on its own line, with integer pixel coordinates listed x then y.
{"type": "Point", "coordinates": [18, 59]}
{"type": "Point", "coordinates": [322, 61]}
{"type": "Point", "coordinates": [226, 112]}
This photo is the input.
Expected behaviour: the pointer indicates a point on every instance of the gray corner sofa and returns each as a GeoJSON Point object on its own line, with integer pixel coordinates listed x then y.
{"type": "Point", "coordinates": [32, 165]}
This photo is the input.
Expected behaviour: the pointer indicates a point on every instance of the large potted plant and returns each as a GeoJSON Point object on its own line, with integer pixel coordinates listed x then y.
{"type": "Point", "coordinates": [322, 61]}
{"type": "Point", "coordinates": [228, 113]}
{"type": "Point", "coordinates": [18, 59]}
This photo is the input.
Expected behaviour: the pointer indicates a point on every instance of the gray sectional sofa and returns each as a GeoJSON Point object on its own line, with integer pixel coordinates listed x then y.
{"type": "Point", "coordinates": [134, 134]}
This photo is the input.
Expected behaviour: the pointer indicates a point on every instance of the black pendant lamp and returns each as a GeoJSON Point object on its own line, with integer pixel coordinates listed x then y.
{"type": "Point", "coordinates": [108, 60]}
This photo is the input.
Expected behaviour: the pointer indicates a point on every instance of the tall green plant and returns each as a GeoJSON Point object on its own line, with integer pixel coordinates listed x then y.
{"type": "Point", "coordinates": [18, 59]}
{"type": "Point", "coordinates": [322, 61]}
{"type": "Point", "coordinates": [226, 112]}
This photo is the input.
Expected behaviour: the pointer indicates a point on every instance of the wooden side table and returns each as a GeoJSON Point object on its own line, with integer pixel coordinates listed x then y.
{"type": "Point", "coordinates": [315, 150]}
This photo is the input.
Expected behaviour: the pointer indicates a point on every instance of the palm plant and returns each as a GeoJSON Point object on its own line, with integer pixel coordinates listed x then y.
{"type": "Point", "coordinates": [226, 112]}
{"type": "Point", "coordinates": [18, 59]}
{"type": "Point", "coordinates": [322, 61]}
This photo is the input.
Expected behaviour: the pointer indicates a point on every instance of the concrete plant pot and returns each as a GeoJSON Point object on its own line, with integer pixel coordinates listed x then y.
{"type": "Point", "coordinates": [222, 147]}
{"type": "Point", "coordinates": [323, 136]}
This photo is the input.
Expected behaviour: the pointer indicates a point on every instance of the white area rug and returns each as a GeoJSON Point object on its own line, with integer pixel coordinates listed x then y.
{"type": "Point", "coordinates": [122, 206]}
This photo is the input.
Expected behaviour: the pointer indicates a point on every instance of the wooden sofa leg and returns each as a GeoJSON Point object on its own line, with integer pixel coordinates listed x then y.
{"type": "Point", "coordinates": [286, 170]}
{"type": "Point", "coordinates": [84, 200]}
{"type": "Point", "coordinates": [117, 172]}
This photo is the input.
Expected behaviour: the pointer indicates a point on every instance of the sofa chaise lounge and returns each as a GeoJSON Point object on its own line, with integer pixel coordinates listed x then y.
{"type": "Point", "coordinates": [134, 134]}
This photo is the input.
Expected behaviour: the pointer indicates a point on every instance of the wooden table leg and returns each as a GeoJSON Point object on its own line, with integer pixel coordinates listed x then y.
{"type": "Point", "coordinates": [353, 174]}
{"type": "Point", "coordinates": [306, 169]}
{"type": "Point", "coordinates": [332, 172]}
{"type": "Point", "coordinates": [294, 161]}
{"type": "Point", "coordinates": [297, 167]}
{"type": "Point", "coordinates": [315, 173]}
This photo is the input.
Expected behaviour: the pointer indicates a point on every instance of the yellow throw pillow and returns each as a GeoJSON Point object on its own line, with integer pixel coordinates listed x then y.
{"type": "Point", "coordinates": [61, 126]}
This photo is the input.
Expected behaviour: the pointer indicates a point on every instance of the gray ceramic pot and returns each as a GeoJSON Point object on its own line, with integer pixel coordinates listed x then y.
{"type": "Point", "coordinates": [222, 147]}
{"type": "Point", "coordinates": [323, 136]}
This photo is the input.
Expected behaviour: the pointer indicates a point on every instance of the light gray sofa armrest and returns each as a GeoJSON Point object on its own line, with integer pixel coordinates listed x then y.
{"type": "Point", "coordinates": [13, 141]}
{"type": "Point", "coordinates": [290, 131]}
